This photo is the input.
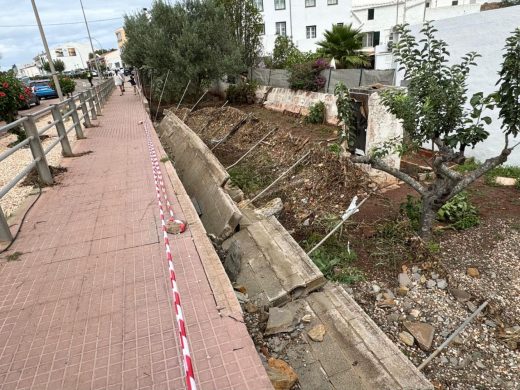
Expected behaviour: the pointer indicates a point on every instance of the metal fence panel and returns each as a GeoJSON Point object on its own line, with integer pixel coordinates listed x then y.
{"type": "Point", "coordinates": [349, 77]}
{"type": "Point", "coordinates": [261, 76]}
{"type": "Point", "coordinates": [280, 78]}
{"type": "Point", "coordinates": [385, 77]}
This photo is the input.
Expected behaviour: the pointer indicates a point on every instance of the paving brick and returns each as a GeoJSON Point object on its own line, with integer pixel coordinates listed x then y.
{"type": "Point", "coordinates": [89, 305]}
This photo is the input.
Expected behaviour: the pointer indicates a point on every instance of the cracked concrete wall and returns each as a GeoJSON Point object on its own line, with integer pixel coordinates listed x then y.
{"type": "Point", "coordinates": [202, 174]}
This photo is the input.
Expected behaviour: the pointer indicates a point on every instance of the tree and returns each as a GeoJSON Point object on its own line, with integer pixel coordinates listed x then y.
{"type": "Point", "coordinates": [284, 50]}
{"type": "Point", "coordinates": [193, 39]}
{"type": "Point", "coordinates": [432, 109]}
{"type": "Point", "coordinates": [247, 27]}
{"type": "Point", "coordinates": [13, 95]}
{"type": "Point", "coordinates": [67, 85]}
{"type": "Point", "coordinates": [59, 66]}
{"type": "Point", "coordinates": [343, 43]}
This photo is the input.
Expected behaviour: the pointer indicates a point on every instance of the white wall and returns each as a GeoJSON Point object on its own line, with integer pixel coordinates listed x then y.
{"type": "Point", "coordinates": [485, 33]}
{"type": "Point", "coordinates": [113, 60]}
{"type": "Point", "coordinates": [79, 61]}
{"type": "Point", "coordinates": [29, 70]}
{"type": "Point", "coordinates": [322, 16]}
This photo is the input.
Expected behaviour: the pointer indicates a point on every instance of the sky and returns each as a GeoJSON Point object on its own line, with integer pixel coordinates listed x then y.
{"type": "Point", "coordinates": [19, 44]}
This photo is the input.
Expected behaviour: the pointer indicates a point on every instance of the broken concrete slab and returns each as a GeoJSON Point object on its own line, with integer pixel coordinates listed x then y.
{"type": "Point", "coordinates": [280, 321]}
{"type": "Point", "coordinates": [422, 332]}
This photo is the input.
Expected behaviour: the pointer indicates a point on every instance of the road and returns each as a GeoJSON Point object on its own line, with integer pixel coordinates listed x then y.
{"type": "Point", "coordinates": [81, 85]}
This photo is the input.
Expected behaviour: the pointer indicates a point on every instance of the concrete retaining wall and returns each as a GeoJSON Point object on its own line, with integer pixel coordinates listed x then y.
{"type": "Point", "coordinates": [202, 175]}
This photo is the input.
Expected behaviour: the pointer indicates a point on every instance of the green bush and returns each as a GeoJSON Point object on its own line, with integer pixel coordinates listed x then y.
{"type": "Point", "coordinates": [412, 209]}
{"type": "Point", "coordinates": [306, 76]}
{"type": "Point", "coordinates": [316, 113]}
{"type": "Point", "coordinates": [67, 84]}
{"type": "Point", "coordinates": [243, 92]}
{"type": "Point", "coordinates": [459, 212]}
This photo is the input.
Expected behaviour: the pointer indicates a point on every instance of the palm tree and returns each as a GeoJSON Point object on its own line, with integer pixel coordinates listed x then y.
{"type": "Point", "coordinates": [343, 43]}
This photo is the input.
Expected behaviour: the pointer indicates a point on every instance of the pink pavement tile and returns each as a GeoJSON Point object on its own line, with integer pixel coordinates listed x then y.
{"type": "Point", "coordinates": [89, 304]}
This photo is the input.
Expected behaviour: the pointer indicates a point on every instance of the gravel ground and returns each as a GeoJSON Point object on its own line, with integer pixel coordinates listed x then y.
{"type": "Point", "coordinates": [20, 159]}
{"type": "Point", "coordinates": [486, 354]}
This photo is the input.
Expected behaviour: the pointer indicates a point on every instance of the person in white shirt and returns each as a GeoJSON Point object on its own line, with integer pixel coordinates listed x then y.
{"type": "Point", "coordinates": [119, 80]}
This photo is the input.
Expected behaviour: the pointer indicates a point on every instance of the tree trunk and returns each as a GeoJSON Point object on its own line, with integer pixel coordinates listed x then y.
{"type": "Point", "coordinates": [428, 215]}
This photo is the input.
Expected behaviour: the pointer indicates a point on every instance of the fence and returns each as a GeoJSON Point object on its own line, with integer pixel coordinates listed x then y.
{"type": "Point", "coordinates": [352, 78]}
{"type": "Point", "coordinates": [89, 105]}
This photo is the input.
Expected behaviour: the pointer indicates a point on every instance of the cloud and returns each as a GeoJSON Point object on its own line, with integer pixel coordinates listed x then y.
{"type": "Point", "coordinates": [18, 45]}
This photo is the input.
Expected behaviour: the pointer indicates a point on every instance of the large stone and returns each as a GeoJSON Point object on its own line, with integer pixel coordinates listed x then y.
{"type": "Point", "coordinates": [282, 376]}
{"type": "Point", "coordinates": [232, 262]}
{"type": "Point", "coordinates": [460, 295]}
{"type": "Point", "coordinates": [280, 321]}
{"type": "Point", "coordinates": [422, 332]}
{"type": "Point", "coordinates": [317, 333]}
{"type": "Point", "coordinates": [406, 338]}
{"type": "Point", "coordinates": [505, 181]}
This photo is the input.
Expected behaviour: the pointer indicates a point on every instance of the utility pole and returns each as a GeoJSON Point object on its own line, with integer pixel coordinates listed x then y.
{"type": "Point", "coordinates": [47, 51]}
{"type": "Point", "coordinates": [90, 39]}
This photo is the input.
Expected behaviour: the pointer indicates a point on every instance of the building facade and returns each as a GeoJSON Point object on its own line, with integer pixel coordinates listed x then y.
{"type": "Point", "coordinates": [73, 54]}
{"type": "Point", "coordinates": [120, 37]}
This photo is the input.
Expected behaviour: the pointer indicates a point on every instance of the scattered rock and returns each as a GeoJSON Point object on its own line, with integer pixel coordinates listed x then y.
{"type": "Point", "coordinates": [444, 360]}
{"type": "Point", "coordinates": [232, 262]}
{"type": "Point", "coordinates": [442, 284]}
{"type": "Point", "coordinates": [282, 376]}
{"type": "Point", "coordinates": [388, 295]}
{"type": "Point", "coordinates": [471, 306]}
{"type": "Point", "coordinates": [460, 295]}
{"type": "Point", "coordinates": [422, 279]}
{"type": "Point", "coordinates": [406, 338]}
{"type": "Point", "coordinates": [307, 318]}
{"type": "Point", "coordinates": [422, 332]}
{"type": "Point", "coordinates": [473, 272]}
{"type": "Point", "coordinates": [273, 207]}
{"type": "Point", "coordinates": [454, 361]}
{"type": "Point", "coordinates": [376, 288]}
{"type": "Point", "coordinates": [242, 298]}
{"type": "Point", "coordinates": [386, 303]}
{"type": "Point", "coordinates": [317, 333]}
{"type": "Point", "coordinates": [307, 222]}
{"type": "Point", "coordinates": [435, 276]}
{"type": "Point", "coordinates": [415, 313]}
{"type": "Point", "coordinates": [404, 279]}
{"type": "Point", "coordinates": [402, 291]}
{"type": "Point", "coordinates": [480, 365]}
{"type": "Point", "coordinates": [394, 317]}
{"type": "Point", "coordinates": [416, 276]}
{"type": "Point", "coordinates": [280, 321]}
{"type": "Point", "coordinates": [250, 307]}
{"type": "Point", "coordinates": [431, 283]}
{"type": "Point", "coordinates": [491, 324]}
{"type": "Point", "coordinates": [457, 340]}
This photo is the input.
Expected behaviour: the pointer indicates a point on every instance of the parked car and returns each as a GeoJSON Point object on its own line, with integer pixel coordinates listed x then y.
{"type": "Point", "coordinates": [43, 89]}
{"type": "Point", "coordinates": [33, 99]}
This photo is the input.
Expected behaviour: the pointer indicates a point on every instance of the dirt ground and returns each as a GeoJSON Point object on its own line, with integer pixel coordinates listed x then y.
{"type": "Point", "coordinates": [316, 193]}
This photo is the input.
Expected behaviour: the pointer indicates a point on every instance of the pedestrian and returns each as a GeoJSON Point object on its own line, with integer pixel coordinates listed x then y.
{"type": "Point", "coordinates": [89, 78]}
{"type": "Point", "coordinates": [119, 80]}
{"type": "Point", "coordinates": [133, 83]}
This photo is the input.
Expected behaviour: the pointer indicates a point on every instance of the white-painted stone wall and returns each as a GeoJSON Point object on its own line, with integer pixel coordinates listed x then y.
{"type": "Point", "coordinates": [484, 33]}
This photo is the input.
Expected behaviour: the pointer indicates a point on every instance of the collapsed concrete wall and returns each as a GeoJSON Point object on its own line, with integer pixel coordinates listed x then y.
{"type": "Point", "coordinates": [202, 174]}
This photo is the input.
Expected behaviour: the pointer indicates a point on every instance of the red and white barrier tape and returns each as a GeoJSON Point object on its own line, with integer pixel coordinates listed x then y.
{"type": "Point", "coordinates": [181, 324]}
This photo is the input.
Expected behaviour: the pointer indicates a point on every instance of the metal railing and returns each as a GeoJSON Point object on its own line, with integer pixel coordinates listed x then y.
{"type": "Point", "coordinates": [87, 103]}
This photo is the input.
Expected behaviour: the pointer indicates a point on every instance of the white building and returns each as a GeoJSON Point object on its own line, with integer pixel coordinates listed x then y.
{"type": "Point", "coordinates": [29, 70]}
{"type": "Point", "coordinates": [485, 33]}
{"type": "Point", "coordinates": [306, 20]}
{"type": "Point", "coordinates": [73, 54]}
{"type": "Point", "coordinates": [113, 60]}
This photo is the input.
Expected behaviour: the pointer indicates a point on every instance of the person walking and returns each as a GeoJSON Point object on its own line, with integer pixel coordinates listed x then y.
{"type": "Point", "coordinates": [133, 83]}
{"type": "Point", "coordinates": [119, 80]}
{"type": "Point", "coordinates": [89, 78]}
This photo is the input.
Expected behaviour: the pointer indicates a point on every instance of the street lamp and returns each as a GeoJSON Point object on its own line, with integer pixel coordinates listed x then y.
{"type": "Point", "coordinates": [47, 51]}
{"type": "Point", "coordinates": [90, 39]}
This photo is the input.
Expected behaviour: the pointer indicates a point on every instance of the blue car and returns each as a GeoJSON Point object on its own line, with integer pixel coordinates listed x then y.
{"type": "Point", "coordinates": [42, 89]}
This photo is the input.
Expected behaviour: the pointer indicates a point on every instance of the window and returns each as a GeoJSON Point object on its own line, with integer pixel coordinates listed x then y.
{"type": "Point", "coordinates": [310, 3]}
{"type": "Point", "coordinates": [427, 4]}
{"type": "Point", "coordinates": [279, 4]}
{"type": "Point", "coordinates": [455, 2]}
{"type": "Point", "coordinates": [117, 65]}
{"type": "Point", "coordinates": [260, 5]}
{"type": "Point", "coordinates": [332, 2]}
{"type": "Point", "coordinates": [281, 29]}
{"type": "Point", "coordinates": [370, 14]}
{"type": "Point", "coordinates": [59, 52]}
{"type": "Point", "coordinates": [261, 28]}
{"type": "Point", "coordinates": [119, 36]}
{"type": "Point", "coordinates": [339, 24]}
{"type": "Point", "coordinates": [371, 39]}
{"type": "Point", "coordinates": [311, 32]}
{"type": "Point", "coordinates": [72, 52]}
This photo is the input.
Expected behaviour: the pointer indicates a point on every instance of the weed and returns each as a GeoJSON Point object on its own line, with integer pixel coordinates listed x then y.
{"type": "Point", "coordinates": [412, 209]}
{"type": "Point", "coordinates": [469, 165]}
{"type": "Point", "coordinates": [316, 113]}
{"type": "Point", "coordinates": [503, 171]}
{"type": "Point", "coordinates": [15, 256]}
{"type": "Point", "coordinates": [335, 148]}
{"type": "Point", "coordinates": [459, 212]}
{"type": "Point", "coordinates": [516, 226]}
{"type": "Point", "coordinates": [248, 178]}
{"type": "Point", "coordinates": [433, 247]}
{"type": "Point", "coordinates": [165, 158]}
{"type": "Point", "coordinates": [334, 259]}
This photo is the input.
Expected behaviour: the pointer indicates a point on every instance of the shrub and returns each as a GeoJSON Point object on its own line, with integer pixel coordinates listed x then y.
{"type": "Point", "coordinates": [503, 171]}
{"type": "Point", "coordinates": [307, 76]}
{"type": "Point", "coordinates": [13, 95]}
{"type": "Point", "coordinates": [243, 92]}
{"type": "Point", "coordinates": [459, 212]}
{"type": "Point", "coordinates": [316, 113]}
{"type": "Point", "coordinates": [67, 85]}
{"type": "Point", "coordinates": [412, 209]}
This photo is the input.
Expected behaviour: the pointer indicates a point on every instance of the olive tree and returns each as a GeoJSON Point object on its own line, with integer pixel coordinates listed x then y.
{"type": "Point", "coordinates": [434, 109]}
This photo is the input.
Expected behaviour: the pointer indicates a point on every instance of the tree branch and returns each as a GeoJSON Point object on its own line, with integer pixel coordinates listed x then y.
{"type": "Point", "coordinates": [451, 174]}
{"type": "Point", "coordinates": [382, 166]}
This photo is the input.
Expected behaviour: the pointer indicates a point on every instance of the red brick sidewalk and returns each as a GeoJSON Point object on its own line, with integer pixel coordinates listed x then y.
{"type": "Point", "coordinates": [88, 304]}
